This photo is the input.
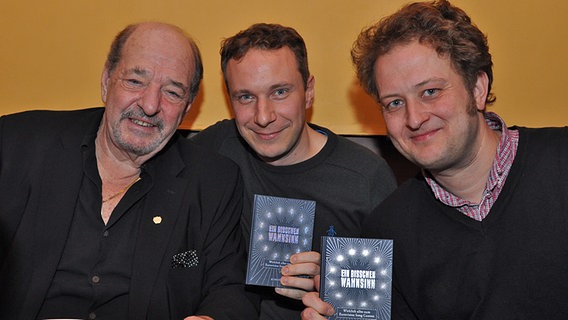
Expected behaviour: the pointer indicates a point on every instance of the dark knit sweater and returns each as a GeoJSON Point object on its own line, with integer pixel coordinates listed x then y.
{"type": "Point", "coordinates": [512, 265]}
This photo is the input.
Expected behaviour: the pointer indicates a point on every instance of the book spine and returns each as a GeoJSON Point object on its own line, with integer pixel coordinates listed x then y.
{"type": "Point", "coordinates": [323, 266]}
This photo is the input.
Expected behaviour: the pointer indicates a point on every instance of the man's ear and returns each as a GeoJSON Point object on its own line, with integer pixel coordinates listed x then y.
{"type": "Point", "coordinates": [310, 91]}
{"type": "Point", "coordinates": [105, 78]}
{"type": "Point", "coordinates": [187, 109]}
{"type": "Point", "coordinates": [480, 91]}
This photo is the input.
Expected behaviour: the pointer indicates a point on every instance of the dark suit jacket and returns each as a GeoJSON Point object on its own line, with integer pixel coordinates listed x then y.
{"type": "Point", "coordinates": [197, 194]}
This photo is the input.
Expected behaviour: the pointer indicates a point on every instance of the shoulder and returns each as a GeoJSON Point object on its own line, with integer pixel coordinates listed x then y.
{"type": "Point", "coordinates": [215, 134]}
{"type": "Point", "coordinates": [224, 138]}
{"type": "Point", "coordinates": [225, 125]}
{"type": "Point", "coordinates": [541, 152]}
{"type": "Point", "coordinates": [361, 159]}
{"type": "Point", "coordinates": [415, 188]}
{"type": "Point", "coordinates": [202, 156]}
{"type": "Point", "coordinates": [402, 209]}
{"type": "Point", "coordinates": [39, 125]}
{"type": "Point", "coordinates": [210, 175]}
{"type": "Point", "coordinates": [365, 161]}
{"type": "Point", "coordinates": [342, 154]}
{"type": "Point", "coordinates": [347, 152]}
{"type": "Point", "coordinates": [542, 141]}
{"type": "Point", "coordinates": [352, 151]}
{"type": "Point", "coordinates": [50, 118]}
{"type": "Point", "coordinates": [548, 133]}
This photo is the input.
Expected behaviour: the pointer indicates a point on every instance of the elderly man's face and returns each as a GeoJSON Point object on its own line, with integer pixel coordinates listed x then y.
{"type": "Point", "coordinates": [147, 94]}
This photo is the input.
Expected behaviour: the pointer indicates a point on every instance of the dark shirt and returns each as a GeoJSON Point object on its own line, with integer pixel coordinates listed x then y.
{"type": "Point", "coordinates": [346, 180]}
{"type": "Point", "coordinates": [93, 277]}
{"type": "Point", "coordinates": [188, 200]}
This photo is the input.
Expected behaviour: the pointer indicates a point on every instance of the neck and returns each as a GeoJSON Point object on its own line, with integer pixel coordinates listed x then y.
{"type": "Point", "coordinates": [317, 141]}
{"type": "Point", "coordinates": [117, 175]}
{"type": "Point", "coordinates": [114, 166]}
{"type": "Point", "coordinates": [468, 181]}
{"type": "Point", "coordinates": [310, 143]}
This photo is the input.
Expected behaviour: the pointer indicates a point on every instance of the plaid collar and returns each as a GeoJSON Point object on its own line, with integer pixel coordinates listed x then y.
{"type": "Point", "coordinates": [506, 151]}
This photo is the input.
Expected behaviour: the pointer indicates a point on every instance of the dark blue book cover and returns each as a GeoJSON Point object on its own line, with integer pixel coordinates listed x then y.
{"type": "Point", "coordinates": [280, 228]}
{"type": "Point", "coordinates": [356, 277]}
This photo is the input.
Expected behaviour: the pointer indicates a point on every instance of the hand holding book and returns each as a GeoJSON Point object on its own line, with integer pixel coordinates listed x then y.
{"type": "Point", "coordinates": [298, 276]}
{"type": "Point", "coordinates": [281, 228]}
{"type": "Point", "coordinates": [355, 281]}
{"type": "Point", "coordinates": [316, 308]}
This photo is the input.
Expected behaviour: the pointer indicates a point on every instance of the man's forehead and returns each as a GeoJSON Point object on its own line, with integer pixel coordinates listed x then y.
{"type": "Point", "coordinates": [150, 59]}
{"type": "Point", "coordinates": [148, 74]}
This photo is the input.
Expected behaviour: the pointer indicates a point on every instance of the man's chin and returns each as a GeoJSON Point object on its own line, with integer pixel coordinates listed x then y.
{"type": "Point", "coordinates": [140, 149]}
{"type": "Point", "coordinates": [269, 157]}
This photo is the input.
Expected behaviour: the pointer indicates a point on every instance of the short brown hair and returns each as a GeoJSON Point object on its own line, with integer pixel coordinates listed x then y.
{"type": "Point", "coordinates": [265, 36]}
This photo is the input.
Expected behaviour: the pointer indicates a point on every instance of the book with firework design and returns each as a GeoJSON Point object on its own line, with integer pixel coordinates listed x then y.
{"type": "Point", "coordinates": [356, 277]}
{"type": "Point", "coordinates": [280, 228]}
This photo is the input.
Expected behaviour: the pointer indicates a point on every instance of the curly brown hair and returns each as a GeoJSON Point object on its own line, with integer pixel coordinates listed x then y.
{"type": "Point", "coordinates": [448, 29]}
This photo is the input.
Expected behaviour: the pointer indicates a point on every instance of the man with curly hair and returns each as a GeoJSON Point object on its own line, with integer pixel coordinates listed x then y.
{"type": "Point", "coordinates": [482, 233]}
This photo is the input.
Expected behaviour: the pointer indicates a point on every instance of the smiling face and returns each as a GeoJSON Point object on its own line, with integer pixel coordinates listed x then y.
{"type": "Point", "coordinates": [270, 99]}
{"type": "Point", "coordinates": [146, 95]}
{"type": "Point", "coordinates": [430, 116]}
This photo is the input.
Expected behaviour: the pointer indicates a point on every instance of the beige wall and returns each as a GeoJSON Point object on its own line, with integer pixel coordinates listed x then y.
{"type": "Point", "coordinates": [52, 52]}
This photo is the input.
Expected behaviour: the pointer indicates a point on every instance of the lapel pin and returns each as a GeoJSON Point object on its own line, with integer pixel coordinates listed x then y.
{"type": "Point", "coordinates": [157, 220]}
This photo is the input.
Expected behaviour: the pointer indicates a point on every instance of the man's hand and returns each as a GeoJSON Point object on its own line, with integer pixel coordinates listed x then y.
{"type": "Point", "coordinates": [316, 309]}
{"type": "Point", "coordinates": [198, 318]}
{"type": "Point", "coordinates": [301, 264]}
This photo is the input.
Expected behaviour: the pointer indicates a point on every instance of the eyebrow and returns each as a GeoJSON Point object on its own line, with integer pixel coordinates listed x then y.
{"type": "Point", "coordinates": [239, 92]}
{"type": "Point", "coordinates": [280, 85]}
{"type": "Point", "coordinates": [143, 73]}
{"type": "Point", "coordinates": [272, 87]}
{"type": "Point", "coordinates": [138, 71]}
{"type": "Point", "coordinates": [179, 85]}
{"type": "Point", "coordinates": [416, 86]}
{"type": "Point", "coordinates": [428, 81]}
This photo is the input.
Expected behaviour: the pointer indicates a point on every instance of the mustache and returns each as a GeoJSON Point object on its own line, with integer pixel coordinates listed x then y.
{"type": "Point", "coordinates": [140, 115]}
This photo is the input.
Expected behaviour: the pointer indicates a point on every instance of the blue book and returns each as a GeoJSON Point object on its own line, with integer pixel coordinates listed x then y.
{"type": "Point", "coordinates": [356, 277]}
{"type": "Point", "coordinates": [280, 228]}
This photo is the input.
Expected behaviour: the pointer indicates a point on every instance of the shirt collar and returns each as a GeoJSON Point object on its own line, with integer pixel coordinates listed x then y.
{"type": "Point", "coordinates": [506, 151]}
